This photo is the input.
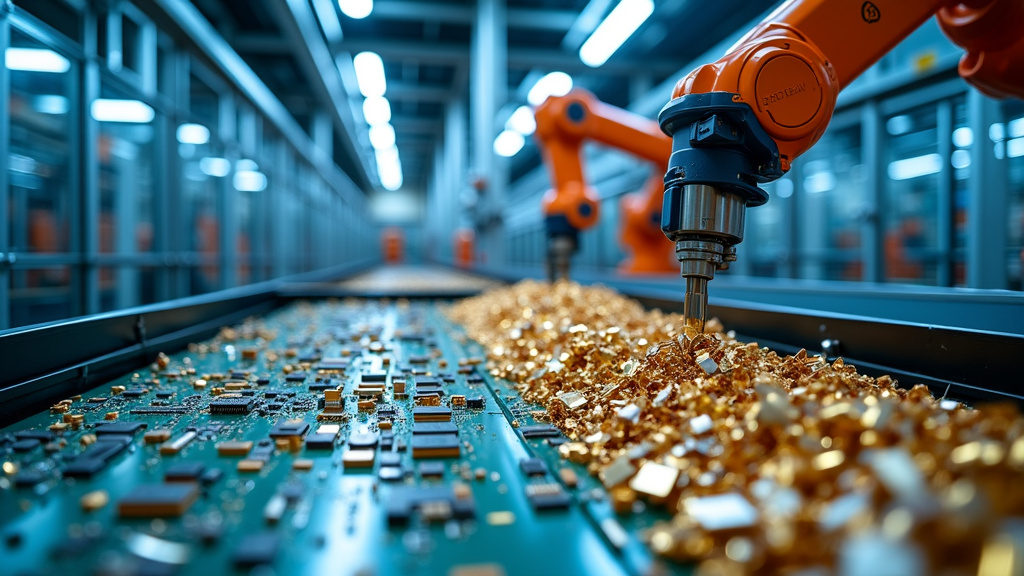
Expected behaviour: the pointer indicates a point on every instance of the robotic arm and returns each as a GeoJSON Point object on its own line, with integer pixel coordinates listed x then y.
{"type": "Point", "coordinates": [563, 124]}
{"type": "Point", "coordinates": [742, 120]}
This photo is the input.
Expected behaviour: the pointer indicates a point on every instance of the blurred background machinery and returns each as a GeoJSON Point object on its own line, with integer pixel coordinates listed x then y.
{"type": "Point", "coordinates": [159, 149]}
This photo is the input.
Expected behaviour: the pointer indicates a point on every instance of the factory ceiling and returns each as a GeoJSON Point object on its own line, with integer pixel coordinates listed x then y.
{"type": "Point", "coordinates": [302, 50]}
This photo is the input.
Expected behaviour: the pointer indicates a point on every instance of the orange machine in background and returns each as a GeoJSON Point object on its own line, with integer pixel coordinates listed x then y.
{"type": "Point", "coordinates": [564, 123]}
{"type": "Point", "coordinates": [393, 241]}
{"type": "Point", "coordinates": [464, 240]}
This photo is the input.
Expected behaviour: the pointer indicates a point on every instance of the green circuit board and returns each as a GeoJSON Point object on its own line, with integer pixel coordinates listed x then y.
{"type": "Point", "coordinates": [341, 437]}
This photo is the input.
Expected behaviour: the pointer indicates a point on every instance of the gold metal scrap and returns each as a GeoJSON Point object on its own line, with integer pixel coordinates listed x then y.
{"type": "Point", "coordinates": [782, 462]}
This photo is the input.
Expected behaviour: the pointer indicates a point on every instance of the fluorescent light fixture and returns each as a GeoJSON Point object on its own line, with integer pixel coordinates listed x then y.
{"type": "Point", "coordinates": [1015, 128]}
{"type": "Point", "coordinates": [616, 28]}
{"type": "Point", "coordinates": [819, 182]}
{"type": "Point", "coordinates": [130, 111]}
{"type": "Point", "coordinates": [216, 167]}
{"type": "Point", "coordinates": [36, 60]}
{"type": "Point", "coordinates": [915, 167]}
{"type": "Point", "coordinates": [193, 134]}
{"type": "Point", "coordinates": [522, 121]}
{"type": "Point", "coordinates": [370, 74]}
{"type": "Point", "coordinates": [389, 168]}
{"type": "Point", "coordinates": [50, 104]}
{"type": "Point", "coordinates": [250, 181]}
{"type": "Point", "coordinates": [784, 188]}
{"type": "Point", "coordinates": [963, 137]}
{"type": "Point", "coordinates": [356, 9]}
{"type": "Point", "coordinates": [245, 164]}
{"type": "Point", "coordinates": [1015, 148]}
{"type": "Point", "coordinates": [997, 132]}
{"type": "Point", "coordinates": [376, 110]}
{"type": "Point", "coordinates": [960, 159]}
{"type": "Point", "coordinates": [382, 136]}
{"type": "Point", "coordinates": [553, 84]}
{"type": "Point", "coordinates": [508, 143]}
{"type": "Point", "coordinates": [899, 125]}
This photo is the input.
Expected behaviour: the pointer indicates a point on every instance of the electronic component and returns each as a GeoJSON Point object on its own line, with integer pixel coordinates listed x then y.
{"type": "Point", "coordinates": [435, 446]}
{"type": "Point", "coordinates": [158, 500]}
{"type": "Point", "coordinates": [223, 405]}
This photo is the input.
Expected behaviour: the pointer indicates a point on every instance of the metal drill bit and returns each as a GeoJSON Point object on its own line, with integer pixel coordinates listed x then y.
{"type": "Point", "coordinates": [695, 305]}
{"type": "Point", "coordinates": [560, 249]}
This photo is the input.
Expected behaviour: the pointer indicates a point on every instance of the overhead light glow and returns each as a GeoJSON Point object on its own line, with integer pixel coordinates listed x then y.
{"type": "Point", "coordinates": [1015, 128]}
{"type": "Point", "coordinates": [508, 143]}
{"type": "Point", "coordinates": [356, 9]}
{"type": "Point", "coordinates": [1015, 148]}
{"type": "Point", "coordinates": [616, 28]}
{"type": "Point", "coordinates": [50, 104]}
{"type": "Point", "coordinates": [250, 181]}
{"type": "Point", "coordinates": [963, 137]}
{"type": "Point", "coordinates": [522, 121]}
{"type": "Point", "coordinates": [820, 182]}
{"type": "Point", "coordinates": [553, 84]}
{"type": "Point", "coordinates": [389, 168]}
{"type": "Point", "coordinates": [784, 188]}
{"type": "Point", "coordinates": [370, 74]}
{"type": "Point", "coordinates": [915, 167]}
{"type": "Point", "coordinates": [193, 134]}
{"type": "Point", "coordinates": [213, 166]}
{"type": "Point", "coordinates": [131, 111]}
{"type": "Point", "coordinates": [899, 125]}
{"type": "Point", "coordinates": [382, 136]}
{"type": "Point", "coordinates": [246, 164]}
{"type": "Point", "coordinates": [376, 110]}
{"type": "Point", "coordinates": [960, 159]}
{"type": "Point", "coordinates": [36, 60]}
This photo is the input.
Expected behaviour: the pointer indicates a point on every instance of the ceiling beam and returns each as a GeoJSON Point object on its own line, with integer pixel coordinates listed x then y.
{"type": "Point", "coordinates": [518, 58]}
{"type": "Point", "coordinates": [409, 92]}
{"type": "Point", "coordinates": [530, 18]}
{"type": "Point", "coordinates": [416, 125]}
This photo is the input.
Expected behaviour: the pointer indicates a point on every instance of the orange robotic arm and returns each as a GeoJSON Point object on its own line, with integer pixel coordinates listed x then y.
{"type": "Point", "coordinates": [742, 120]}
{"type": "Point", "coordinates": [564, 123]}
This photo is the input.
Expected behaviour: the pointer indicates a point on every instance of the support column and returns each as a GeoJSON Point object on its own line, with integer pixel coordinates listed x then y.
{"type": "Point", "coordinates": [872, 244]}
{"type": "Point", "coordinates": [986, 204]}
{"type": "Point", "coordinates": [488, 88]}
{"type": "Point", "coordinates": [455, 179]}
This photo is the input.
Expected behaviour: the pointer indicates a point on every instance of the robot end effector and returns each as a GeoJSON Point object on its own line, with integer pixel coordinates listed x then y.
{"type": "Point", "coordinates": [743, 119]}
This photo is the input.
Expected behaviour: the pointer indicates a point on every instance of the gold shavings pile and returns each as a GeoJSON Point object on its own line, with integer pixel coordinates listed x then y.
{"type": "Point", "coordinates": [769, 463]}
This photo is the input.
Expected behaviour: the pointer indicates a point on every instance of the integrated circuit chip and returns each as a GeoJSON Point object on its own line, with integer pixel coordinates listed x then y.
{"type": "Point", "coordinates": [158, 500]}
{"type": "Point", "coordinates": [242, 405]}
{"type": "Point", "coordinates": [435, 446]}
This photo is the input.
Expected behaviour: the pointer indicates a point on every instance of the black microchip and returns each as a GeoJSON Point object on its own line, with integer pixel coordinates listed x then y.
{"type": "Point", "coordinates": [323, 385]}
{"type": "Point", "coordinates": [256, 549]}
{"type": "Point", "coordinates": [435, 445]}
{"type": "Point", "coordinates": [429, 413]}
{"type": "Point", "coordinates": [164, 394]}
{"type": "Point", "coordinates": [390, 459]}
{"type": "Point", "coordinates": [475, 402]}
{"type": "Point", "coordinates": [432, 469]}
{"type": "Point", "coordinates": [151, 410]}
{"type": "Point", "coordinates": [386, 411]}
{"type": "Point", "coordinates": [390, 473]}
{"type": "Point", "coordinates": [549, 500]}
{"type": "Point", "coordinates": [96, 456]}
{"type": "Point", "coordinates": [557, 441]}
{"type": "Point", "coordinates": [239, 375]}
{"type": "Point", "coordinates": [242, 405]}
{"type": "Point", "coordinates": [474, 379]}
{"type": "Point", "coordinates": [184, 471]}
{"type": "Point", "coordinates": [419, 359]}
{"type": "Point", "coordinates": [128, 428]}
{"type": "Point", "coordinates": [374, 376]}
{"type": "Point", "coordinates": [295, 377]}
{"type": "Point", "coordinates": [26, 445]}
{"type": "Point", "coordinates": [434, 428]}
{"type": "Point", "coordinates": [533, 467]}
{"type": "Point", "coordinates": [263, 451]}
{"type": "Point", "coordinates": [539, 431]}
{"type": "Point", "coordinates": [404, 500]}
{"type": "Point", "coordinates": [333, 365]}
{"type": "Point", "coordinates": [262, 381]}
{"type": "Point", "coordinates": [447, 376]}
{"type": "Point", "coordinates": [285, 428]}
{"type": "Point", "coordinates": [157, 500]}
{"type": "Point", "coordinates": [134, 392]}
{"type": "Point", "coordinates": [320, 441]}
